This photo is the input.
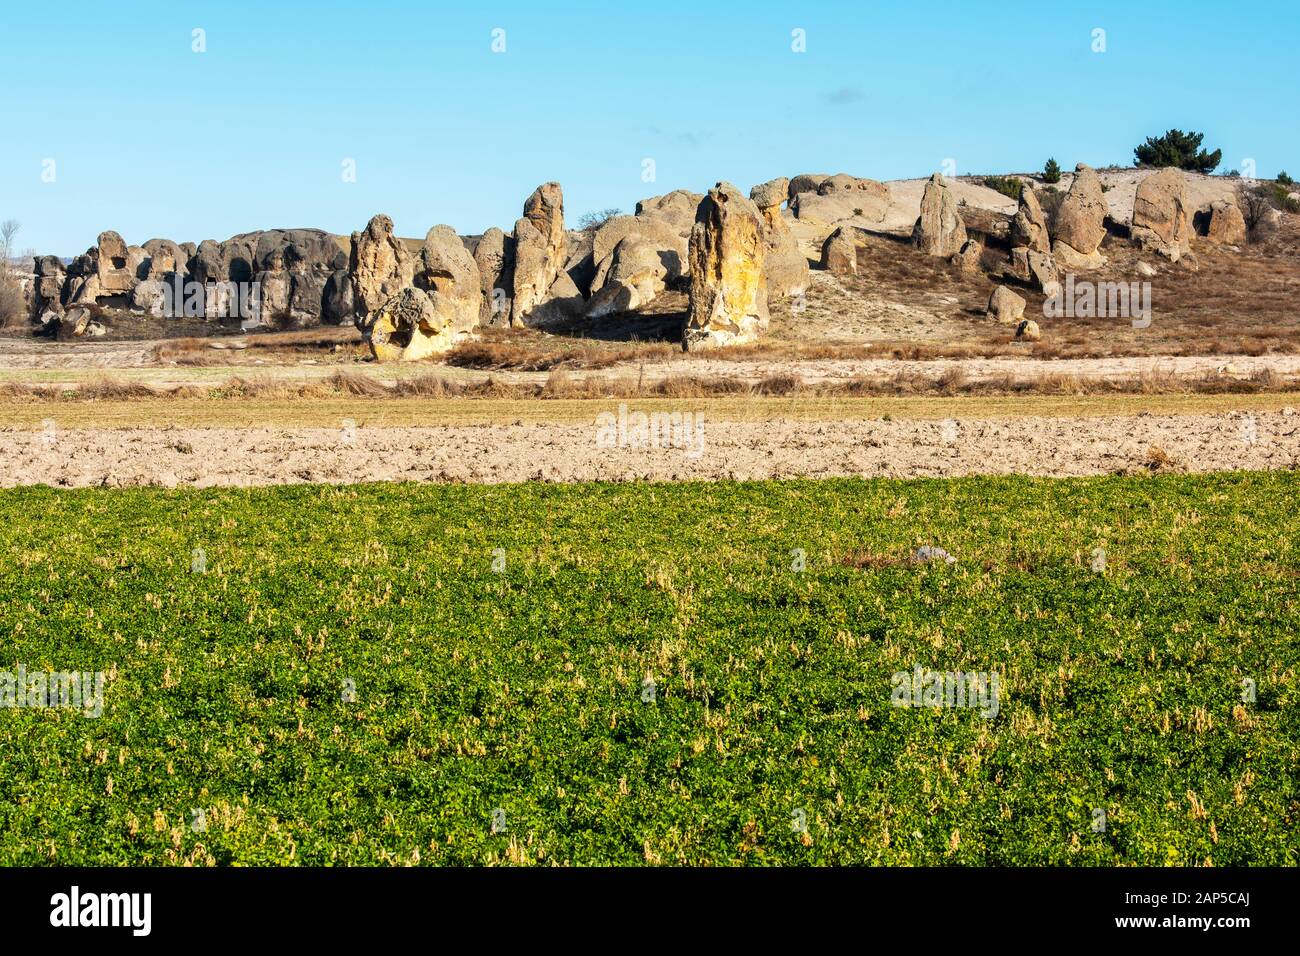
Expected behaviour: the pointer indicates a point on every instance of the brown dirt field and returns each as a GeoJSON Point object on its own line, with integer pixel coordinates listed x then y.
{"type": "Point", "coordinates": [906, 448]}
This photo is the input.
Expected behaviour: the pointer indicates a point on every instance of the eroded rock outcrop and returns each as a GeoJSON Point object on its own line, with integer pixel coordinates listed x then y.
{"type": "Point", "coordinates": [495, 257]}
{"type": "Point", "coordinates": [274, 286]}
{"type": "Point", "coordinates": [1225, 225]}
{"type": "Point", "coordinates": [1162, 217]}
{"type": "Point", "coordinates": [541, 250]}
{"type": "Point", "coordinates": [635, 273]}
{"type": "Point", "coordinates": [1081, 222]}
{"type": "Point", "coordinates": [380, 265]}
{"type": "Point", "coordinates": [676, 208]}
{"type": "Point", "coordinates": [785, 264]}
{"type": "Point", "coordinates": [449, 273]}
{"type": "Point", "coordinates": [728, 299]}
{"type": "Point", "coordinates": [637, 258]}
{"type": "Point", "coordinates": [1031, 245]}
{"type": "Point", "coordinates": [939, 230]}
{"type": "Point", "coordinates": [840, 252]}
{"type": "Point", "coordinates": [51, 277]}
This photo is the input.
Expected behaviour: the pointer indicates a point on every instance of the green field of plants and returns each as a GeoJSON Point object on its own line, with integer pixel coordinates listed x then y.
{"type": "Point", "coordinates": [633, 674]}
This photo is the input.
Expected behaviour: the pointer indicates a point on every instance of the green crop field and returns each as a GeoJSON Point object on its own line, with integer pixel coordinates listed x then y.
{"type": "Point", "coordinates": [685, 673]}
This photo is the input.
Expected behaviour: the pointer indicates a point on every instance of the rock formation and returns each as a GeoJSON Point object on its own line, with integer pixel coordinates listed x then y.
{"type": "Point", "coordinates": [51, 277]}
{"type": "Point", "coordinates": [1031, 245]}
{"type": "Point", "coordinates": [495, 257]}
{"type": "Point", "coordinates": [1005, 306]}
{"type": "Point", "coordinates": [840, 252]}
{"type": "Point", "coordinates": [805, 183]}
{"type": "Point", "coordinates": [112, 259]}
{"type": "Point", "coordinates": [637, 258]}
{"type": "Point", "coordinates": [728, 300]}
{"type": "Point", "coordinates": [838, 197]}
{"type": "Point", "coordinates": [541, 250]}
{"type": "Point", "coordinates": [1081, 222]}
{"type": "Point", "coordinates": [273, 284]}
{"type": "Point", "coordinates": [380, 265]}
{"type": "Point", "coordinates": [784, 262]}
{"type": "Point", "coordinates": [676, 208]}
{"type": "Point", "coordinates": [1225, 224]}
{"type": "Point", "coordinates": [338, 304]}
{"type": "Point", "coordinates": [1027, 331]}
{"type": "Point", "coordinates": [939, 230]}
{"type": "Point", "coordinates": [1162, 218]}
{"type": "Point", "coordinates": [450, 275]}
{"type": "Point", "coordinates": [637, 271]}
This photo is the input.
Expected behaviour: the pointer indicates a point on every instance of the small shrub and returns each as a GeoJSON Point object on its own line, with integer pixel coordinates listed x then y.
{"type": "Point", "coordinates": [1007, 185]}
{"type": "Point", "coordinates": [591, 221]}
{"type": "Point", "coordinates": [1050, 199]}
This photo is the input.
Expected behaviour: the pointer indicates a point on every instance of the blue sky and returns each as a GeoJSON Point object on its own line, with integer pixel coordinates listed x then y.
{"type": "Point", "coordinates": [152, 139]}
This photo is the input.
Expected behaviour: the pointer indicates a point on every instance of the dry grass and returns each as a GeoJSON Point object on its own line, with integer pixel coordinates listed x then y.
{"type": "Point", "coordinates": [560, 384]}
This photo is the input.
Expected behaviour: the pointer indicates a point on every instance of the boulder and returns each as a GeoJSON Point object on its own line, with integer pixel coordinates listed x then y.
{"type": "Point", "coordinates": [1027, 331]}
{"type": "Point", "coordinates": [1081, 222]}
{"type": "Point", "coordinates": [306, 294]}
{"type": "Point", "coordinates": [1162, 218]}
{"type": "Point", "coordinates": [413, 324]}
{"type": "Point", "coordinates": [541, 250]}
{"type": "Point", "coordinates": [166, 259]}
{"type": "Point", "coordinates": [1225, 224]}
{"type": "Point", "coordinates": [1005, 306]}
{"type": "Point", "coordinates": [1029, 226]}
{"type": "Point", "coordinates": [449, 273]}
{"type": "Point", "coordinates": [821, 210]}
{"type": "Point", "coordinates": [659, 232]}
{"type": "Point", "coordinates": [939, 230]}
{"type": "Point", "coordinates": [1036, 269]}
{"type": "Point", "coordinates": [676, 208]}
{"type": "Point", "coordinates": [971, 255]}
{"type": "Point", "coordinates": [728, 297]}
{"type": "Point", "coordinates": [840, 252]}
{"type": "Point", "coordinates": [805, 183]}
{"type": "Point", "coordinates": [380, 265]}
{"type": "Point", "coordinates": [207, 264]}
{"type": "Point", "coordinates": [986, 223]}
{"type": "Point", "coordinates": [73, 324]}
{"type": "Point", "coordinates": [137, 263]}
{"type": "Point", "coordinates": [51, 277]}
{"type": "Point", "coordinates": [636, 272]}
{"type": "Point", "coordinates": [495, 257]}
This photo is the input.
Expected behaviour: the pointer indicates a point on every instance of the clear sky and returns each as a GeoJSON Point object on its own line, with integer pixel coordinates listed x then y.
{"type": "Point", "coordinates": [152, 139]}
